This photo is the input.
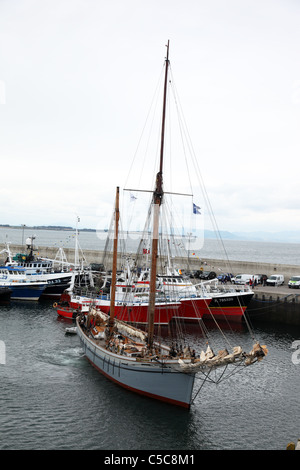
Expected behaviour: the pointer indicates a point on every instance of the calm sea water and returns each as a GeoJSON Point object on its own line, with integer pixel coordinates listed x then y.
{"type": "Point", "coordinates": [282, 253]}
{"type": "Point", "coordinates": [52, 398]}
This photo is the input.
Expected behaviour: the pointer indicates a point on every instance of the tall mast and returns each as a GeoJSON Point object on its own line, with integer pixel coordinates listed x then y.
{"type": "Point", "coordinates": [76, 261]}
{"type": "Point", "coordinates": [114, 267]}
{"type": "Point", "coordinates": [156, 201]}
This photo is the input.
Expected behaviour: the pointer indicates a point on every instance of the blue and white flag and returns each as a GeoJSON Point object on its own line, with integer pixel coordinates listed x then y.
{"type": "Point", "coordinates": [196, 209]}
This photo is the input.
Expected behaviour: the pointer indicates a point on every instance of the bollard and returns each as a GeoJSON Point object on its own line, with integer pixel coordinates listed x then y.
{"type": "Point", "coordinates": [291, 446]}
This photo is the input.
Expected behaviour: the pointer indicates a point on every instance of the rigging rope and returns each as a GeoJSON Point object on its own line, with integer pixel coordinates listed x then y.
{"type": "Point", "coordinates": [184, 133]}
{"type": "Point", "coordinates": [166, 218]}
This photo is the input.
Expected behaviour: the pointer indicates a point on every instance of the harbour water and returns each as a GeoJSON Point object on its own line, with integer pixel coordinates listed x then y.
{"type": "Point", "coordinates": [52, 398]}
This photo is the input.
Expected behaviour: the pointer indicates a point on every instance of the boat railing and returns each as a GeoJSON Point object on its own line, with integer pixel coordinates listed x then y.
{"type": "Point", "coordinates": [214, 286]}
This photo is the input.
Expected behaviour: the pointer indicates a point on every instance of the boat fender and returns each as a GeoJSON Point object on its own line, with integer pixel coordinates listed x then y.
{"type": "Point", "coordinates": [55, 305]}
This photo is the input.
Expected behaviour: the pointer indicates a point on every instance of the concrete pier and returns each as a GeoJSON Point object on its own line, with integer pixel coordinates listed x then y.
{"type": "Point", "coordinates": [275, 304]}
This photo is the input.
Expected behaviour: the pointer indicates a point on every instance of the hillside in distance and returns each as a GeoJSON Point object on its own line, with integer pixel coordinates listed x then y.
{"type": "Point", "coordinates": [280, 237]}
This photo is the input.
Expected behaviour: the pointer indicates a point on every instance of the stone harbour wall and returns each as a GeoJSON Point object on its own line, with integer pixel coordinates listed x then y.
{"type": "Point", "coordinates": [207, 264]}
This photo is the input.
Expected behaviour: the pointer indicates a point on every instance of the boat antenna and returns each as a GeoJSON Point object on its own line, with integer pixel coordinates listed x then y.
{"type": "Point", "coordinates": [156, 201]}
{"type": "Point", "coordinates": [114, 266]}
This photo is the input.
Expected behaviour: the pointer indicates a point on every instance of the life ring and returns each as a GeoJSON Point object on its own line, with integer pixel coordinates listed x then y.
{"type": "Point", "coordinates": [55, 305]}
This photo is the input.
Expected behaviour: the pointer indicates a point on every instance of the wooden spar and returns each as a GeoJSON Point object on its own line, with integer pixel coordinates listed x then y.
{"type": "Point", "coordinates": [114, 266]}
{"type": "Point", "coordinates": [164, 114]}
{"type": "Point", "coordinates": [156, 201]}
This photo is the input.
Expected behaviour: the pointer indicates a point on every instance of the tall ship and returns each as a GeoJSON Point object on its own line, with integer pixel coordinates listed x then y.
{"type": "Point", "coordinates": [135, 358]}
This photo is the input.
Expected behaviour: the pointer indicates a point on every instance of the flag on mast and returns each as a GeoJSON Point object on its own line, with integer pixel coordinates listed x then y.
{"type": "Point", "coordinates": [196, 209]}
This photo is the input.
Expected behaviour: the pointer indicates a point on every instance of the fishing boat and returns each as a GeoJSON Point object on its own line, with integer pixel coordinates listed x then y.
{"type": "Point", "coordinates": [69, 312]}
{"type": "Point", "coordinates": [208, 300]}
{"type": "Point", "coordinates": [39, 270]}
{"type": "Point", "coordinates": [58, 274]}
{"type": "Point", "coordinates": [132, 301]}
{"type": "Point", "coordinates": [229, 302]}
{"type": "Point", "coordinates": [133, 358]}
{"type": "Point", "coordinates": [179, 299]}
{"type": "Point", "coordinates": [66, 309]}
{"type": "Point", "coordinates": [14, 278]}
{"type": "Point", "coordinates": [131, 305]}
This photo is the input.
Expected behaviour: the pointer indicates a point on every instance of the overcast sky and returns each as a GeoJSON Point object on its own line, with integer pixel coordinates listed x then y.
{"type": "Point", "coordinates": [76, 80]}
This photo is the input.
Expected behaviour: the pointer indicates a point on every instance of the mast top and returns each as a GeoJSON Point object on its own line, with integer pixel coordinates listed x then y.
{"type": "Point", "coordinates": [158, 193]}
{"type": "Point", "coordinates": [167, 46]}
{"type": "Point", "coordinates": [157, 200]}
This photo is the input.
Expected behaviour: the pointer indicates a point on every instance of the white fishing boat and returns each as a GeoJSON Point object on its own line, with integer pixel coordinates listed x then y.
{"type": "Point", "coordinates": [39, 269]}
{"type": "Point", "coordinates": [58, 274]}
{"type": "Point", "coordinates": [134, 358]}
{"type": "Point", "coordinates": [15, 279]}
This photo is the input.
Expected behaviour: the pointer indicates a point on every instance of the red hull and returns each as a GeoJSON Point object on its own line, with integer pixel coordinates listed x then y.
{"type": "Point", "coordinates": [139, 313]}
{"type": "Point", "coordinates": [193, 309]}
{"type": "Point", "coordinates": [229, 313]}
{"type": "Point", "coordinates": [67, 312]}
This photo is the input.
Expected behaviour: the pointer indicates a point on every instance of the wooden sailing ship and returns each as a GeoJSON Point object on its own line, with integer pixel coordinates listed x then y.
{"type": "Point", "coordinates": [133, 358]}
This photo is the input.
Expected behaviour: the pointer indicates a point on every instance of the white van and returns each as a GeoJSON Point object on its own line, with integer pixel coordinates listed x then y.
{"type": "Point", "coordinates": [242, 278]}
{"type": "Point", "coordinates": [275, 280]}
{"type": "Point", "coordinates": [294, 282]}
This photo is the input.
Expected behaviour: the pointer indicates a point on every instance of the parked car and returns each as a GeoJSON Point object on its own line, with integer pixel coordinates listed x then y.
{"type": "Point", "coordinates": [242, 278]}
{"type": "Point", "coordinates": [207, 275]}
{"type": "Point", "coordinates": [294, 282]}
{"type": "Point", "coordinates": [225, 277]}
{"type": "Point", "coordinates": [275, 280]}
{"type": "Point", "coordinates": [195, 274]}
{"type": "Point", "coordinates": [97, 267]}
{"type": "Point", "coordinates": [246, 278]}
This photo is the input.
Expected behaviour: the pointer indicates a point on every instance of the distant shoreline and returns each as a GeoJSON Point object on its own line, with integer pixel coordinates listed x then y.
{"type": "Point", "coordinates": [267, 237]}
{"type": "Point", "coordinates": [46, 227]}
